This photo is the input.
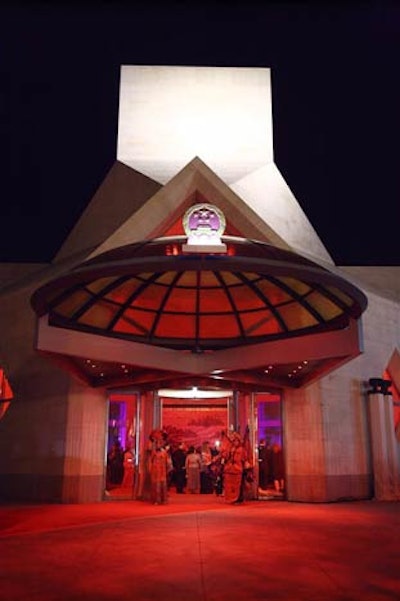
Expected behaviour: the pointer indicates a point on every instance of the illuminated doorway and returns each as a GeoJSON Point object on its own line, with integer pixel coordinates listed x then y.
{"type": "Point", "coordinates": [270, 446]}
{"type": "Point", "coordinates": [121, 451]}
{"type": "Point", "coordinates": [196, 420]}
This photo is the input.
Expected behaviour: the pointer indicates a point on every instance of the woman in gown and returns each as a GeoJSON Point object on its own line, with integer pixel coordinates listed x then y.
{"type": "Point", "coordinates": [193, 467]}
{"type": "Point", "coordinates": [234, 465]}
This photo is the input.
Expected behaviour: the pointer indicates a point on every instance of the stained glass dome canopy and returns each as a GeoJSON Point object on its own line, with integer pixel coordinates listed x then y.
{"type": "Point", "coordinates": [153, 292]}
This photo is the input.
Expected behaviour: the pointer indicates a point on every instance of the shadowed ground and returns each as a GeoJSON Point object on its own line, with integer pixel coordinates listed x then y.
{"type": "Point", "coordinates": [197, 548]}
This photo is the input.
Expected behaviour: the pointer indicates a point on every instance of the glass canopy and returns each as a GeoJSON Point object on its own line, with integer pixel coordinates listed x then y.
{"type": "Point", "coordinates": [154, 292]}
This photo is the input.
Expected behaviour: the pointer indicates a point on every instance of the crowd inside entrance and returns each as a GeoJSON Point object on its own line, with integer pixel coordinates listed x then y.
{"type": "Point", "coordinates": [226, 470]}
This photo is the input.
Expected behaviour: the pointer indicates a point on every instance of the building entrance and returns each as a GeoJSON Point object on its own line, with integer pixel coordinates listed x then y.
{"type": "Point", "coordinates": [200, 420]}
{"type": "Point", "coordinates": [271, 478]}
{"type": "Point", "coordinates": [121, 451]}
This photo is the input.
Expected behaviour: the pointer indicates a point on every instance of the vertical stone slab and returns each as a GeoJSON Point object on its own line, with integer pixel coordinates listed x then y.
{"type": "Point", "coordinates": [384, 447]}
{"type": "Point", "coordinates": [84, 467]}
{"type": "Point", "coordinates": [169, 115]}
{"type": "Point", "coordinates": [304, 445]}
{"type": "Point", "coordinates": [149, 418]}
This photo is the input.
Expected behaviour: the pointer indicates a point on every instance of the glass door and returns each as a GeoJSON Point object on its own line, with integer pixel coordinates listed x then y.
{"type": "Point", "coordinates": [270, 451]}
{"type": "Point", "coordinates": [121, 446]}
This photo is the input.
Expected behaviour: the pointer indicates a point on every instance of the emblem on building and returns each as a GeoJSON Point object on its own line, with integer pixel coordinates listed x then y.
{"type": "Point", "coordinates": [204, 225]}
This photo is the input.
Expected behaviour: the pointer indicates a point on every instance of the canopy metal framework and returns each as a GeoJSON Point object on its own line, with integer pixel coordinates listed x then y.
{"type": "Point", "coordinates": [154, 294]}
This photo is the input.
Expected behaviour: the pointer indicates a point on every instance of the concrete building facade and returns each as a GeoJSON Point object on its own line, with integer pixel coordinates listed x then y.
{"type": "Point", "coordinates": [94, 329]}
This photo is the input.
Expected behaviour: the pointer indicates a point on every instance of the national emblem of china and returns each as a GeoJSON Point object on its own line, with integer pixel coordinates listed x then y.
{"type": "Point", "coordinates": [204, 225]}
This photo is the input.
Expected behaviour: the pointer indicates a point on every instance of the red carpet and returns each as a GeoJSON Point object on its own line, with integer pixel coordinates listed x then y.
{"type": "Point", "coordinates": [196, 548]}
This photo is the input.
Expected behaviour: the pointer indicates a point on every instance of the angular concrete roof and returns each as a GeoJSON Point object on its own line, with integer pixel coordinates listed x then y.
{"type": "Point", "coordinates": [241, 178]}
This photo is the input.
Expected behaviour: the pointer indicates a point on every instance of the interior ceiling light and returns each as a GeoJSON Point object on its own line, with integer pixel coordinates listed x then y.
{"type": "Point", "coordinates": [194, 394]}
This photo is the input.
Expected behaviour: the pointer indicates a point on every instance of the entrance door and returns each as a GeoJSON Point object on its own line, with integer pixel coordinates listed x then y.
{"type": "Point", "coordinates": [196, 421]}
{"type": "Point", "coordinates": [271, 470]}
{"type": "Point", "coordinates": [121, 450]}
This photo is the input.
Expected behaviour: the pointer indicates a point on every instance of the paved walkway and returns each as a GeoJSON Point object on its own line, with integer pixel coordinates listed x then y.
{"type": "Point", "coordinates": [196, 548]}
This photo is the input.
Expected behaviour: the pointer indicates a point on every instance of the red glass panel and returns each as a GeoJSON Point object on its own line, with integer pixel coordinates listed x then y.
{"type": "Point", "coordinates": [260, 323]}
{"type": "Point", "coordinates": [181, 300]}
{"type": "Point", "coordinates": [150, 297]}
{"type": "Point", "coordinates": [214, 300]}
{"type": "Point", "coordinates": [245, 298]}
{"type": "Point", "coordinates": [135, 321]}
{"type": "Point", "coordinates": [99, 315]}
{"type": "Point", "coordinates": [176, 326]}
{"type": "Point", "coordinates": [296, 316]}
{"type": "Point", "coordinates": [121, 293]}
{"type": "Point", "coordinates": [225, 326]}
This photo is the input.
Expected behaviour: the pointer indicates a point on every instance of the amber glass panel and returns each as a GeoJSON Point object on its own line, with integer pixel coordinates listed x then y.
{"type": "Point", "coordinates": [325, 307]}
{"type": "Point", "coordinates": [146, 275]}
{"type": "Point", "coordinates": [150, 297]}
{"type": "Point", "coordinates": [99, 315]}
{"type": "Point", "coordinates": [223, 326]}
{"type": "Point", "coordinates": [135, 320]}
{"type": "Point", "coordinates": [166, 278]}
{"type": "Point", "coordinates": [296, 317]}
{"type": "Point", "coordinates": [249, 275]}
{"type": "Point", "coordinates": [298, 286]}
{"type": "Point", "coordinates": [188, 279]}
{"type": "Point", "coordinates": [181, 300]}
{"type": "Point", "coordinates": [214, 300]}
{"type": "Point", "coordinates": [121, 293]}
{"type": "Point", "coordinates": [245, 299]}
{"type": "Point", "coordinates": [97, 285]}
{"type": "Point", "coordinates": [74, 302]}
{"type": "Point", "coordinates": [176, 326]}
{"type": "Point", "coordinates": [341, 295]}
{"type": "Point", "coordinates": [125, 327]}
{"type": "Point", "coordinates": [260, 323]}
{"type": "Point", "coordinates": [208, 278]}
{"type": "Point", "coordinates": [274, 294]}
{"type": "Point", "coordinates": [230, 278]}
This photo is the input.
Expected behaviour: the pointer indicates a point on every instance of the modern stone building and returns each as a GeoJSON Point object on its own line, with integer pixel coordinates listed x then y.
{"type": "Point", "coordinates": [194, 295]}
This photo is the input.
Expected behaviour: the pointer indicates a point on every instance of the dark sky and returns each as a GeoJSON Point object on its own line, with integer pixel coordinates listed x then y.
{"type": "Point", "coordinates": [336, 106]}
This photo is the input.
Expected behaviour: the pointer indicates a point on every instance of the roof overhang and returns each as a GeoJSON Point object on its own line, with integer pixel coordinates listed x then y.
{"type": "Point", "coordinates": [257, 316]}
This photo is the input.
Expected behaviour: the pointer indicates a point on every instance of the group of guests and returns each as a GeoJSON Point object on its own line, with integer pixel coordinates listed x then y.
{"type": "Point", "coordinates": [120, 466]}
{"type": "Point", "coordinates": [271, 466]}
{"type": "Point", "coordinates": [225, 471]}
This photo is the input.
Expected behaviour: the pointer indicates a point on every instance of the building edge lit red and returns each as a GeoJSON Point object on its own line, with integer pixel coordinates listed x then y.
{"type": "Point", "coordinates": [126, 310]}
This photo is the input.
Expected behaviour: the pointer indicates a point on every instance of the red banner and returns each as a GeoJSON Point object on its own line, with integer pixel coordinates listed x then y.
{"type": "Point", "coordinates": [6, 393]}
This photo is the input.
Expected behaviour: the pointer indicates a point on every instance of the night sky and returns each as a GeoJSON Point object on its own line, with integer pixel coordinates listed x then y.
{"type": "Point", "coordinates": [336, 108]}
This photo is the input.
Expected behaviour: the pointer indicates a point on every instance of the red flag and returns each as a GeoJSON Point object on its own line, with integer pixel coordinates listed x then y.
{"type": "Point", "coordinates": [6, 394]}
{"type": "Point", "coordinates": [247, 446]}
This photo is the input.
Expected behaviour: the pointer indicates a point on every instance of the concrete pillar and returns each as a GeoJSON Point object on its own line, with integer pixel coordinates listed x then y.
{"type": "Point", "coordinates": [85, 461]}
{"type": "Point", "coordinates": [148, 411]}
{"type": "Point", "coordinates": [384, 446]}
{"type": "Point", "coordinates": [233, 411]}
